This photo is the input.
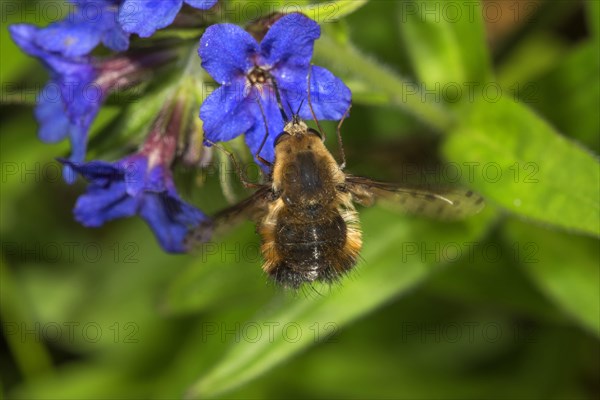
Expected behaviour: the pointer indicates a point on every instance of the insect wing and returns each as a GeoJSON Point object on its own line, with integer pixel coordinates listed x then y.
{"type": "Point", "coordinates": [251, 208]}
{"type": "Point", "coordinates": [439, 203]}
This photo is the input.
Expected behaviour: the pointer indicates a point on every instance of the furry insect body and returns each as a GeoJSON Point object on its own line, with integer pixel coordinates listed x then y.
{"type": "Point", "coordinates": [311, 232]}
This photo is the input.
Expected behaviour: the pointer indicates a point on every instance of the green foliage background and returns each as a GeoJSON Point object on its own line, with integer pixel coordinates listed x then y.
{"type": "Point", "coordinates": [505, 304]}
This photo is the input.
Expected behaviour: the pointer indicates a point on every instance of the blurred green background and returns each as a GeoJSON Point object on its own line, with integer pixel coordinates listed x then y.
{"type": "Point", "coordinates": [503, 305]}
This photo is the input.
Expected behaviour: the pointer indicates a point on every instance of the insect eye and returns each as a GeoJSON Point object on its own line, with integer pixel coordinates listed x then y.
{"type": "Point", "coordinates": [314, 132]}
{"type": "Point", "coordinates": [281, 137]}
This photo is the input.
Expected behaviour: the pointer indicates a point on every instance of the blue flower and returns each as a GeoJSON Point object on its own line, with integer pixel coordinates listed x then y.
{"type": "Point", "coordinates": [248, 72]}
{"type": "Point", "coordinates": [136, 185]}
{"type": "Point", "coordinates": [69, 103]}
{"type": "Point", "coordinates": [144, 17]}
{"type": "Point", "coordinates": [91, 22]}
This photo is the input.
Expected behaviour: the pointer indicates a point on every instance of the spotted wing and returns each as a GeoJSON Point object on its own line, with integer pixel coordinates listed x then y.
{"type": "Point", "coordinates": [253, 208]}
{"type": "Point", "coordinates": [439, 203]}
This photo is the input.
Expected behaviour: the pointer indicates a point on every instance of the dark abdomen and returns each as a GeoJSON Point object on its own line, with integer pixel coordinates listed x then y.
{"type": "Point", "coordinates": [310, 249]}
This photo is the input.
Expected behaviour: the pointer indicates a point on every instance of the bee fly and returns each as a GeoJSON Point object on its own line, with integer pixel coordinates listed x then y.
{"type": "Point", "coordinates": [310, 231]}
{"type": "Point", "coordinates": [305, 213]}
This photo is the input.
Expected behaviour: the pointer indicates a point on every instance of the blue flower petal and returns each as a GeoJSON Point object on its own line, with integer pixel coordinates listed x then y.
{"type": "Point", "coordinates": [99, 172]}
{"type": "Point", "coordinates": [226, 113]}
{"type": "Point", "coordinates": [106, 198]}
{"type": "Point", "coordinates": [104, 203]}
{"type": "Point", "coordinates": [113, 35]}
{"type": "Point", "coordinates": [289, 42]}
{"type": "Point", "coordinates": [82, 30]}
{"type": "Point", "coordinates": [24, 35]}
{"type": "Point", "coordinates": [170, 219]}
{"type": "Point", "coordinates": [226, 51]}
{"type": "Point", "coordinates": [144, 17]}
{"type": "Point", "coordinates": [134, 169]}
{"type": "Point", "coordinates": [78, 136]}
{"type": "Point", "coordinates": [329, 96]}
{"type": "Point", "coordinates": [69, 39]}
{"type": "Point", "coordinates": [50, 114]}
{"type": "Point", "coordinates": [201, 4]}
{"type": "Point", "coordinates": [158, 180]}
{"type": "Point", "coordinates": [116, 39]}
{"type": "Point", "coordinates": [69, 175]}
{"type": "Point", "coordinates": [83, 99]}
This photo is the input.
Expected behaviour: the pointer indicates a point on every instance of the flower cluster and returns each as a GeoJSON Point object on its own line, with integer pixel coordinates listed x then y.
{"type": "Point", "coordinates": [262, 84]}
{"type": "Point", "coordinates": [141, 184]}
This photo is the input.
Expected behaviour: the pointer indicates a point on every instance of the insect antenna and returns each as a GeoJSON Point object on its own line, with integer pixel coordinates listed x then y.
{"type": "Point", "coordinates": [262, 111]}
{"type": "Point", "coordinates": [323, 135]}
{"type": "Point", "coordinates": [299, 107]}
{"type": "Point", "coordinates": [279, 104]}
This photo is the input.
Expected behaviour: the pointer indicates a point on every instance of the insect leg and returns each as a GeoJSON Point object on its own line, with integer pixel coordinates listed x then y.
{"type": "Point", "coordinates": [339, 136]}
{"type": "Point", "coordinates": [262, 144]}
{"type": "Point", "coordinates": [243, 178]}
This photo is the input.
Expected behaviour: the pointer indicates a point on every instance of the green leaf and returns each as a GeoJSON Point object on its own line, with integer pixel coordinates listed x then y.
{"type": "Point", "coordinates": [446, 42]}
{"type": "Point", "coordinates": [518, 161]}
{"type": "Point", "coordinates": [80, 380]}
{"type": "Point", "coordinates": [565, 267]}
{"type": "Point", "coordinates": [575, 80]}
{"type": "Point", "coordinates": [389, 270]}
{"type": "Point", "coordinates": [518, 69]}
